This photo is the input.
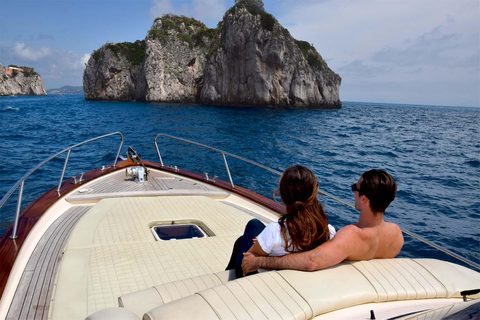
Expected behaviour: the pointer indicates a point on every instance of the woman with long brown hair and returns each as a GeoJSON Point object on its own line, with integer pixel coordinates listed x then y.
{"type": "Point", "coordinates": [303, 227]}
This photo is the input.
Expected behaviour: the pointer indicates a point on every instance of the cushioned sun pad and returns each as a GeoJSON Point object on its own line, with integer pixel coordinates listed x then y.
{"type": "Point", "coordinates": [112, 250]}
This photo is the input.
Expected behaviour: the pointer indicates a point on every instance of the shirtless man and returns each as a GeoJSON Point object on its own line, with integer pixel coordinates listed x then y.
{"type": "Point", "coordinates": [370, 238]}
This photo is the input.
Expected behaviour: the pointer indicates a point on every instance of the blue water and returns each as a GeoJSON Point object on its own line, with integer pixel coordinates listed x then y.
{"type": "Point", "coordinates": [432, 151]}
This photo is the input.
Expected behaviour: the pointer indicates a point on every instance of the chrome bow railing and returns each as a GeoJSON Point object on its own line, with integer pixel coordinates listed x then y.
{"type": "Point", "coordinates": [224, 153]}
{"type": "Point", "coordinates": [21, 182]}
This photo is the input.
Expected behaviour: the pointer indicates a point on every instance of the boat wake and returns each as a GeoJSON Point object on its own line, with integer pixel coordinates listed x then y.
{"type": "Point", "coordinates": [11, 108]}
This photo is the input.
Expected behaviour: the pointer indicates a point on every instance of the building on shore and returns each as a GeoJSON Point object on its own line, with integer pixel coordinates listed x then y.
{"type": "Point", "coordinates": [10, 70]}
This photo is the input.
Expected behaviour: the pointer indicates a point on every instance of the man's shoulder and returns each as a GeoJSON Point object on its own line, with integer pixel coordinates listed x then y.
{"type": "Point", "coordinates": [350, 230]}
{"type": "Point", "coordinates": [397, 234]}
{"type": "Point", "coordinates": [393, 227]}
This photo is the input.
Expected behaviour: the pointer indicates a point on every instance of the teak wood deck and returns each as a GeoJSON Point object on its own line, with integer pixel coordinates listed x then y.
{"type": "Point", "coordinates": [32, 299]}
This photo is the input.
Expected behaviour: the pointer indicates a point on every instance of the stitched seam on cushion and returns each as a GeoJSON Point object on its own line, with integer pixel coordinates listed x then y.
{"type": "Point", "coordinates": [261, 278]}
{"type": "Point", "coordinates": [211, 307]}
{"type": "Point", "coordinates": [191, 290]}
{"type": "Point", "coordinates": [221, 298]}
{"type": "Point", "coordinates": [158, 292]}
{"type": "Point", "coordinates": [278, 298]}
{"type": "Point", "coordinates": [380, 262]}
{"type": "Point", "coordinates": [246, 278]}
{"type": "Point", "coordinates": [420, 275]}
{"type": "Point", "coordinates": [294, 289]}
{"type": "Point", "coordinates": [446, 290]}
{"type": "Point", "coordinates": [166, 291]}
{"type": "Point", "coordinates": [218, 278]}
{"type": "Point", "coordinates": [244, 308]}
{"type": "Point", "coordinates": [178, 290]}
{"type": "Point", "coordinates": [411, 274]}
{"type": "Point", "coordinates": [204, 283]}
{"type": "Point", "coordinates": [367, 278]}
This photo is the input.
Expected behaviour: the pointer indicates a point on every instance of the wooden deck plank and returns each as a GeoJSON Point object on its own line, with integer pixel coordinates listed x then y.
{"type": "Point", "coordinates": [33, 296]}
{"type": "Point", "coordinates": [40, 267]}
{"type": "Point", "coordinates": [45, 297]}
{"type": "Point", "coordinates": [42, 296]}
{"type": "Point", "coordinates": [39, 270]}
{"type": "Point", "coordinates": [22, 290]}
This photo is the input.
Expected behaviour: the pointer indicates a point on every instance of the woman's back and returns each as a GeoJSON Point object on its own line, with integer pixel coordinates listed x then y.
{"type": "Point", "coordinates": [272, 242]}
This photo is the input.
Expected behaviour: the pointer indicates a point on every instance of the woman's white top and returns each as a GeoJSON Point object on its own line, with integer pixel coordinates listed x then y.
{"type": "Point", "coordinates": [272, 242]}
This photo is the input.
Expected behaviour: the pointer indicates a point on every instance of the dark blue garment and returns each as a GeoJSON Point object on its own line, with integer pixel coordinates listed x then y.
{"type": "Point", "coordinates": [253, 228]}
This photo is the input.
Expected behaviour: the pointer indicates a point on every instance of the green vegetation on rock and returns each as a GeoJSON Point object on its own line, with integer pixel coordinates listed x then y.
{"type": "Point", "coordinates": [267, 20]}
{"type": "Point", "coordinates": [173, 22]}
{"type": "Point", "coordinates": [134, 52]}
{"type": "Point", "coordinates": [253, 6]}
{"type": "Point", "coordinates": [28, 71]}
{"type": "Point", "coordinates": [187, 38]}
{"type": "Point", "coordinates": [159, 34]}
{"type": "Point", "coordinates": [310, 53]}
{"type": "Point", "coordinates": [211, 34]}
{"type": "Point", "coordinates": [192, 33]}
{"type": "Point", "coordinates": [96, 54]}
{"type": "Point", "coordinates": [305, 47]}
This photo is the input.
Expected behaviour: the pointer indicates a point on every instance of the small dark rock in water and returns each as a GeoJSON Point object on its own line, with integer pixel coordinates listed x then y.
{"type": "Point", "coordinates": [248, 60]}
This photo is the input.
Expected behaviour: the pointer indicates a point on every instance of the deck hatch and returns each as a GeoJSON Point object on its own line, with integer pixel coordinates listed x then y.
{"type": "Point", "coordinates": [178, 232]}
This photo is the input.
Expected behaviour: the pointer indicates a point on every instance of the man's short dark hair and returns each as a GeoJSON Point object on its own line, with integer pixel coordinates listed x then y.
{"type": "Point", "coordinates": [380, 188]}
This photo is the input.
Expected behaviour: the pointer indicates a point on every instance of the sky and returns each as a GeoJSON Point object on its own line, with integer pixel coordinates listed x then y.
{"type": "Point", "coordinates": [388, 51]}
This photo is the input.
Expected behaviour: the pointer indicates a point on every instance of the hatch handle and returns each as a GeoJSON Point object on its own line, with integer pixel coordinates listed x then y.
{"type": "Point", "coordinates": [466, 293]}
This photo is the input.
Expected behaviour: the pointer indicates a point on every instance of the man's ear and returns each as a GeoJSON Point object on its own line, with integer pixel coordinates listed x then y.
{"type": "Point", "coordinates": [366, 201]}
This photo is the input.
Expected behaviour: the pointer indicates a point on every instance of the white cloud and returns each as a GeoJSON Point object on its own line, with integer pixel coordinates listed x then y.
{"type": "Point", "coordinates": [349, 30]}
{"type": "Point", "coordinates": [84, 59]}
{"type": "Point", "coordinates": [209, 11]}
{"type": "Point", "coordinates": [361, 69]}
{"type": "Point", "coordinates": [414, 42]}
{"type": "Point", "coordinates": [30, 53]}
{"type": "Point", "coordinates": [435, 48]}
{"type": "Point", "coordinates": [66, 66]}
{"type": "Point", "coordinates": [160, 7]}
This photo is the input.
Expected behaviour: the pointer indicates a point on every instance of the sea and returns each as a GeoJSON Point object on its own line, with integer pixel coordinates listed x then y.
{"type": "Point", "coordinates": [432, 151]}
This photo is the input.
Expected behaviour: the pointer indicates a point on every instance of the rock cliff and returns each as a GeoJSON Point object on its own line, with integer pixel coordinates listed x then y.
{"type": "Point", "coordinates": [112, 72]}
{"type": "Point", "coordinates": [175, 57]}
{"type": "Point", "coordinates": [258, 62]}
{"type": "Point", "coordinates": [248, 60]}
{"type": "Point", "coordinates": [20, 83]}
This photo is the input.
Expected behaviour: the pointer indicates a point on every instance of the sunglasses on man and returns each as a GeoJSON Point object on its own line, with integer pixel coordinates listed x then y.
{"type": "Point", "coordinates": [354, 188]}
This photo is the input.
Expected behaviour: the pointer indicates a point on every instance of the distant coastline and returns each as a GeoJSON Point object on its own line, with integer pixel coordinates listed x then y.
{"type": "Point", "coordinates": [66, 90]}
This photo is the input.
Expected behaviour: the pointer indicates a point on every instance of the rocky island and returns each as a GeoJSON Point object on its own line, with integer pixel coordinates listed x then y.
{"type": "Point", "coordinates": [248, 60]}
{"type": "Point", "coordinates": [20, 81]}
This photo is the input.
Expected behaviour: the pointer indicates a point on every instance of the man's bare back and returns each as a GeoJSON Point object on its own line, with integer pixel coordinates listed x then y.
{"type": "Point", "coordinates": [371, 237]}
{"type": "Point", "coordinates": [379, 242]}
